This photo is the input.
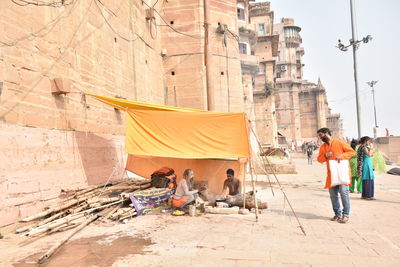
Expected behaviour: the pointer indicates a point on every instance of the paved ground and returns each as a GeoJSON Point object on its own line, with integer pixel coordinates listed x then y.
{"type": "Point", "coordinates": [371, 238]}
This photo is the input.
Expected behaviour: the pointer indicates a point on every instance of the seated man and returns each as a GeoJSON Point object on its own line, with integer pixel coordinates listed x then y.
{"type": "Point", "coordinates": [184, 193]}
{"type": "Point", "coordinates": [232, 185]}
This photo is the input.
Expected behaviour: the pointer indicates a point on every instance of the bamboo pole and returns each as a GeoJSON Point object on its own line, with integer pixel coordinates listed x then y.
{"type": "Point", "coordinates": [244, 190]}
{"type": "Point", "coordinates": [63, 228]}
{"type": "Point", "coordinates": [32, 226]}
{"type": "Point", "coordinates": [111, 212]}
{"type": "Point", "coordinates": [51, 210]}
{"type": "Point", "coordinates": [102, 200]}
{"type": "Point", "coordinates": [86, 211]}
{"type": "Point", "coordinates": [254, 187]}
{"type": "Point", "coordinates": [281, 188]}
{"type": "Point", "coordinates": [54, 248]}
{"type": "Point", "coordinates": [126, 216]}
{"type": "Point", "coordinates": [54, 224]}
{"type": "Point", "coordinates": [120, 212]}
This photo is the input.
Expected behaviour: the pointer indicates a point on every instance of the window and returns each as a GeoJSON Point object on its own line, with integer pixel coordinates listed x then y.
{"type": "Point", "coordinates": [261, 29]}
{"type": "Point", "coordinates": [240, 13]}
{"type": "Point", "coordinates": [243, 48]}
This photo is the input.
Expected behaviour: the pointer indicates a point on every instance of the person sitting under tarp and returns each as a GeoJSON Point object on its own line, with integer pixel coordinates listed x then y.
{"type": "Point", "coordinates": [232, 185]}
{"type": "Point", "coordinates": [184, 193]}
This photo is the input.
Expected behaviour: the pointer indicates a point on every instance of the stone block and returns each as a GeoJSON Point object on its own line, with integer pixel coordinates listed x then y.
{"type": "Point", "coordinates": [12, 74]}
{"type": "Point", "coordinates": [29, 77]}
{"type": "Point", "coordinates": [22, 186]}
{"type": "Point", "coordinates": [22, 198]}
{"type": "Point", "coordinates": [9, 215]}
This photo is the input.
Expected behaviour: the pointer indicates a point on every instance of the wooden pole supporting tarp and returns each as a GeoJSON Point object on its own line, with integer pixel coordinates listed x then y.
{"type": "Point", "coordinates": [279, 184]}
{"type": "Point", "coordinates": [254, 188]}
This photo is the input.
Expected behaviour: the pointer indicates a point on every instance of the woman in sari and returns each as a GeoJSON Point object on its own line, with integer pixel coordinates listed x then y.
{"type": "Point", "coordinates": [364, 168]}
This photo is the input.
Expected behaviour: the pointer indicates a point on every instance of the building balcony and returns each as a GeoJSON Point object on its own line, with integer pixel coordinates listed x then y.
{"type": "Point", "coordinates": [295, 40]}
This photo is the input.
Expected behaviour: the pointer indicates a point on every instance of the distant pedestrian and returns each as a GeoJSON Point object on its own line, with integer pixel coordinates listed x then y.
{"type": "Point", "coordinates": [353, 165]}
{"type": "Point", "coordinates": [364, 167]}
{"type": "Point", "coordinates": [309, 151]}
{"type": "Point", "coordinates": [287, 154]}
{"type": "Point", "coordinates": [335, 149]}
{"type": "Point", "coordinates": [304, 147]}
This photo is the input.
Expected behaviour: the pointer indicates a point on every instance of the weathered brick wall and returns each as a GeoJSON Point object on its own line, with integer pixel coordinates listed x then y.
{"type": "Point", "coordinates": [227, 86]}
{"type": "Point", "coordinates": [36, 163]}
{"type": "Point", "coordinates": [308, 110]}
{"type": "Point", "coordinates": [185, 74]}
{"type": "Point", "coordinates": [52, 142]}
{"type": "Point", "coordinates": [184, 62]}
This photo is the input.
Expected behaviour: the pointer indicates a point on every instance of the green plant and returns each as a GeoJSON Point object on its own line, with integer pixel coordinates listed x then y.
{"type": "Point", "coordinates": [269, 89]}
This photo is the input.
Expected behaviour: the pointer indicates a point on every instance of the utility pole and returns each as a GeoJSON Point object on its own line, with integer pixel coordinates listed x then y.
{"type": "Point", "coordinates": [353, 38]}
{"type": "Point", "coordinates": [355, 43]}
{"type": "Point", "coordinates": [372, 83]}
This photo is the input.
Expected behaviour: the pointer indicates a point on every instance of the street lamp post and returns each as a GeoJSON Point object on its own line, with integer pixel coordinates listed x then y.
{"type": "Point", "coordinates": [372, 83]}
{"type": "Point", "coordinates": [355, 43]}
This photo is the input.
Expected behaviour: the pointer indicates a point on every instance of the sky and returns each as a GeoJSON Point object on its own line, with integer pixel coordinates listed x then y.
{"type": "Point", "coordinates": [323, 22]}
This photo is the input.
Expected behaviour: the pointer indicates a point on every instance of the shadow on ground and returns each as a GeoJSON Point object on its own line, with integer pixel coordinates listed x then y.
{"type": "Point", "coordinates": [302, 215]}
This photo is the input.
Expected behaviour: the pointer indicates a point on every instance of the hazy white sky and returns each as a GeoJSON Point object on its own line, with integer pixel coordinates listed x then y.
{"type": "Point", "coordinates": [323, 22]}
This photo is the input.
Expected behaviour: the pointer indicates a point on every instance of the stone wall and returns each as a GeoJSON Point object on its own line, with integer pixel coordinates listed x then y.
{"type": "Point", "coordinates": [185, 72]}
{"type": "Point", "coordinates": [52, 142]}
{"type": "Point", "coordinates": [390, 146]}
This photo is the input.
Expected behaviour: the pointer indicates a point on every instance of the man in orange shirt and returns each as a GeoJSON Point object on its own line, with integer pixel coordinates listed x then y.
{"type": "Point", "coordinates": [335, 149]}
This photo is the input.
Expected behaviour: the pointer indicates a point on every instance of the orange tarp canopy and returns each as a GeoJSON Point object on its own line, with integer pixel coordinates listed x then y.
{"type": "Point", "coordinates": [181, 138]}
{"type": "Point", "coordinates": [190, 135]}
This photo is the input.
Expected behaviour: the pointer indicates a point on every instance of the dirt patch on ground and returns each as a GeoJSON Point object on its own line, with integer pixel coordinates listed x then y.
{"type": "Point", "coordinates": [93, 251]}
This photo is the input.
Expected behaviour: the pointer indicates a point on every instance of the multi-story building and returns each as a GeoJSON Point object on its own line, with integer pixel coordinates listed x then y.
{"type": "Point", "coordinates": [313, 109]}
{"type": "Point", "coordinates": [335, 124]}
{"type": "Point", "coordinates": [289, 74]}
{"type": "Point", "coordinates": [258, 49]}
{"type": "Point", "coordinates": [248, 61]}
{"type": "Point", "coordinates": [202, 66]}
{"type": "Point", "coordinates": [315, 112]}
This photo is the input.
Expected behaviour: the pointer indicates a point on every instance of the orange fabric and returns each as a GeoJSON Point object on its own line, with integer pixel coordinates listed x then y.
{"type": "Point", "coordinates": [179, 202]}
{"type": "Point", "coordinates": [123, 104]}
{"type": "Point", "coordinates": [338, 148]}
{"type": "Point", "coordinates": [193, 135]}
{"type": "Point", "coordinates": [211, 170]}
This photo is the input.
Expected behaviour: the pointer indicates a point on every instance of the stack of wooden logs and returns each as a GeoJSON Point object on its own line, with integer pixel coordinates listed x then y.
{"type": "Point", "coordinates": [111, 201]}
